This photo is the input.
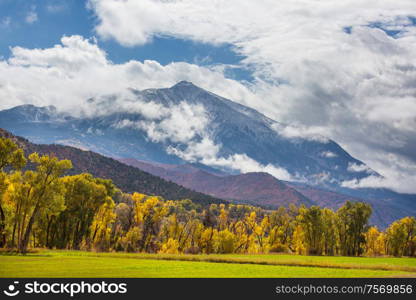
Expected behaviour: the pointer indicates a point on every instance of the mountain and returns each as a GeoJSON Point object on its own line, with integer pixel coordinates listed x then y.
{"type": "Point", "coordinates": [186, 124]}
{"type": "Point", "coordinates": [153, 125]}
{"type": "Point", "coordinates": [254, 188]}
{"type": "Point", "coordinates": [264, 190]}
{"type": "Point", "coordinates": [127, 178]}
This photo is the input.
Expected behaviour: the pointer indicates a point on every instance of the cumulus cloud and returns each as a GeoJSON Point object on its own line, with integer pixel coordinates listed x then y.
{"type": "Point", "coordinates": [75, 70]}
{"type": "Point", "coordinates": [76, 77]}
{"type": "Point", "coordinates": [343, 70]}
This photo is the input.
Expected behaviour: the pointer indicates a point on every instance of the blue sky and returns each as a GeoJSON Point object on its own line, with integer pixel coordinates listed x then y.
{"type": "Point", "coordinates": [56, 18]}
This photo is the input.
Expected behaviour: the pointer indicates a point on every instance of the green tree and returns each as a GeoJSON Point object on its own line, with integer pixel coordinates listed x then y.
{"type": "Point", "coordinates": [312, 224]}
{"type": "Point", "coordinates": [352, 224]}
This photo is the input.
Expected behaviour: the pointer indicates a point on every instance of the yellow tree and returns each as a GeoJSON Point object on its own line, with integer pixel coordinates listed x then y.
{"type": "Point", "coordinates": [84, 195]}
{"type": "Point", "coordinates": [242, 237]}
{"type": "Point", "coordinates": [401, 237]}
{"type": "Point", "coordinates": [43, 189]}
{"type": "Point", "coordinates": [223, 217]}
{"type": "Point", "coordinates": [10, 156]}
{"type": "Point", "coordinates": [298, 241]}
{"type": "Point", "coordinates": [371, 241]}
{"type": "Point", "coordinates": [225, 242]}
{"type": "Point", "coordinates": [101, 225]}
{"type": "Point", "coordinates": [149, 213]}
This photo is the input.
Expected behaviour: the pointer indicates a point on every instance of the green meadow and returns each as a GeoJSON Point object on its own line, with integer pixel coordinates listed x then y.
{"type": "Point", "coordinates": [46, 263]}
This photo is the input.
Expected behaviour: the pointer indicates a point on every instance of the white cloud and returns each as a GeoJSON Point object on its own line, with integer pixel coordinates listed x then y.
{"type": "Point", "coordinates": [353, 167]}
{"type": "Point", "coordinates": [69, 73]}
{"type": "Point", "coordinates": [399, 174]}
{"type": "Point", "coordinates": [401, 184]}
{"type": "Point", "coordinates": [56, 7]}
{"type": "Point", "coordinates": [31, 16]}
{"type": "Point", "coordinates": [245, 164]}
{"type": "Point", "coordinates": [328, 154]}
{"type": "Point", "coordinates": [180, 123]}
{"type": "Point", "coordinates": [206, 152]}
{"type": "Point", "coordinates": [302, 132]}
{"type": "Point", "coordinates": [328, 67]}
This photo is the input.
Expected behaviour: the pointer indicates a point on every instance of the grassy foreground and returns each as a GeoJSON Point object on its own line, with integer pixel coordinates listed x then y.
{"type": "Point", "coordinates": [89, 264]}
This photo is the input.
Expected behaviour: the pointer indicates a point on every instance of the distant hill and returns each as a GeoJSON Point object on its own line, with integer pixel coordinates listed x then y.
{"type": "Point", "coordinates": [256, 188]}
{"type": "Point", "coordinates": [127, 178]}
{"type": "Point", "coordinates": [264, 190]}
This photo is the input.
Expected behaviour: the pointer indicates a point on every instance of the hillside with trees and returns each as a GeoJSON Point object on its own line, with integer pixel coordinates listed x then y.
{"type": "Point", "coordinates": [43, 206]}
{"type": "Point", "coordinates": [127, 178]}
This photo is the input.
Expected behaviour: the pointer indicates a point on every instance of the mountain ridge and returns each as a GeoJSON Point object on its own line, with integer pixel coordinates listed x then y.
{"type": "Point", "coordinates": [234, 187]}
{"type": "Point", "coordinates": [232, 128]}
{"type": "Point", "coordinates": [255, 187]}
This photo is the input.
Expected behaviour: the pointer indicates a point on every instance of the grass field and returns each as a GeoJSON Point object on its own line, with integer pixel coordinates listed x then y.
{"type": "Point", "coordinates": [89, 264]}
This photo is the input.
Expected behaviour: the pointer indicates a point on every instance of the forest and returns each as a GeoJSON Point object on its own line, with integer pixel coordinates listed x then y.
{"type": "Point", "coordinates": [43, 207]}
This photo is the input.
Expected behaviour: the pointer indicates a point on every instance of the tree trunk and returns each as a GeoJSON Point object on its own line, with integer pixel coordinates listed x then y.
{"type": "Point", "coordinates": [25, 240]}
{"type": "Point", "coordinates": [2, 228]}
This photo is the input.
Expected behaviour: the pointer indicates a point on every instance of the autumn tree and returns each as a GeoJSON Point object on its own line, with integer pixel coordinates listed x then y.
{"type": "Point", "coordinates": [10, 157]}
{"type": "Point", "coordinates": [100, 230]}
{"type": "Point", "coordinates": [401, 237]}
{"type": "Point", "coordinates": [312, 225]}
{"type": "Point", "coordinates": [352, 224]}
{"type": "Point", "coordinates": [39, 190]}
{"type": "Point", "coordinates": [84, 196]}
{"type": "Point", "coordinates": [298, 241]}
{"type": "Point", "coordinates": [372, 241]}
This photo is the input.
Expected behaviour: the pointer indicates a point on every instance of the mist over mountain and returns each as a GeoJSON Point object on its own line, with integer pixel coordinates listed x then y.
{"type": "Point", "coordinates": [185, 123]}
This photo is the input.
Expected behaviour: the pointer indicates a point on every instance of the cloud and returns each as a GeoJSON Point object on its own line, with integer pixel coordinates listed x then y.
{"type": "Point", "coordinates": [302, 132]}
{"type": "Point", "coordinates": [56, 7]}
{"type": "Point", "coordinates": [185, 130]}
{"type": "Point", "coordinates": [328, 154]}
{"type": "Point", "coordinates": [353, 167]}
{"type": "Point", "coordinates": [180, 123]}
{"type": "Point", "coordinates": [31, 16]}
{"type": "Point", "coordinates": [69, 73]}
{"type": "Point", "coordinates": [76, 77]}
{"type": "Point", "coordinates": [398, 175]}
{"type": "Point", "coordinates": [342, 70]}
{"type": "Point", "coordinates": [206, 152]}
{"type": "Point", "coordinates": [245, 164]}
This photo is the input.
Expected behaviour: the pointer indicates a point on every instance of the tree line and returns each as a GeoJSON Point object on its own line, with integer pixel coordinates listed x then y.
{"type": "Point", "coordinates": [41, 207]}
